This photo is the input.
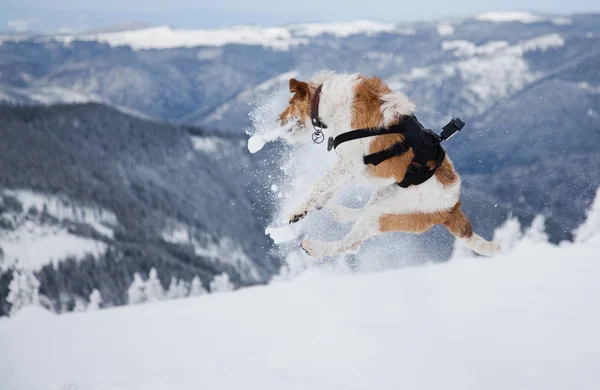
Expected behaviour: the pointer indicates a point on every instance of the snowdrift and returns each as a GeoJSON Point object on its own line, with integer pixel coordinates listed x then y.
{"type": "Point", "coordinates": [527, 319]}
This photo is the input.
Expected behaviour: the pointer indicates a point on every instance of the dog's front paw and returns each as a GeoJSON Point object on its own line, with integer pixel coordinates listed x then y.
{"type": "Point", "coordinates": [312, 248]}
{"type": "Point", "coordinates": [297, 216]}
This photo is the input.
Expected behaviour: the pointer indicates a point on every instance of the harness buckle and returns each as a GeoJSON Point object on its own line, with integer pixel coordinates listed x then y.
{"type": "Point", "coordinates": [399, 148]}
{"type": "Point", "coordinates": [330, 144]}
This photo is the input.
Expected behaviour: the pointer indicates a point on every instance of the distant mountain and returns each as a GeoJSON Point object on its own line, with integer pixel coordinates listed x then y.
{"type": "Point", "coordinates": [87, 180]}
{"type": "Point", "coordinates": [208, 76]}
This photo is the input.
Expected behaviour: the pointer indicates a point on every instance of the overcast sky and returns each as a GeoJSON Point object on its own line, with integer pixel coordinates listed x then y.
{"type": "Point", "coordinates": [44, 15]}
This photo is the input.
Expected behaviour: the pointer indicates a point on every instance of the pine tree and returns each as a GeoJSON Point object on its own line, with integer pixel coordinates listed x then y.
{"type": "Point", "coordinates": [537, 231]}
{"type": "Point", "coordinates": [23, 290]}
{"type": "Point", "coordinates": [183, 287]}
{"type": "Point", "coordinates": [95, 300]}
{"type": "Point", "coordinates": [136, 293]}
{"type": "Point", "coordinates": [154, 290]}
{"type": "Point", "coordinates": [591, 226]}
{"type": "Point", "coordinates": [80, 305]}
{"type": "Point", "coordinates": [172, 292]}
{"type": "Point", "coordinates": [196, 288]}
{"type": "Point", "coordinates": [177, 289]}
{"type": "Point", "coordinates": [508, 235]}
{"type": "Point", "coordinates": [221, 283]}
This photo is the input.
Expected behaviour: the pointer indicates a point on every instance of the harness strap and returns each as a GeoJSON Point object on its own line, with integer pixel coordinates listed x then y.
{"type": "Point", "coordinates": [424, 143]}
{"type": "Point", "coordinates": [364, 133]}
{"type": "Point", "coordinates": [397, 149]}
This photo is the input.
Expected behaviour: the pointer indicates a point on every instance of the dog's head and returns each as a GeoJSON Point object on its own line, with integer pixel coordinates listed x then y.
{"type": "Point", "coordinates": [297, 113]}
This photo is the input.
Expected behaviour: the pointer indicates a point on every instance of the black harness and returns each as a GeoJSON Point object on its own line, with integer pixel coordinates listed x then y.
{"type": "Point", "coordinates": [426, 144]}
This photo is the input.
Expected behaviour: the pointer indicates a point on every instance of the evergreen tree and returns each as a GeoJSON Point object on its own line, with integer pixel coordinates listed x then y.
{"type": "Point", "coordinates": [183, 287]}
{"type": "Point", "coordinates": [591, 226]}
{"type": "Point", "coordinates": [196, 288]}
{"type": "Point", "coordinates": [154, 290]}
{"type": "Point", "coordinates": [177, 289]}
{"type": "Point", "coordinates": [221, 283]}
{"type": "Point", "coordinates": [95, 300]}
{"type": "Point", "coordinates": [80, 304]}
{"type": "Point", "coordinates": [23, 290]}
{"type": "Point", "coordinates": [136, 293]}
{"type": "Point", "coordinates": [508, 235]}
{"type": "Point", "coordinates": [537, 231]}
{"type": "Point", "coordinates": [172, 292]}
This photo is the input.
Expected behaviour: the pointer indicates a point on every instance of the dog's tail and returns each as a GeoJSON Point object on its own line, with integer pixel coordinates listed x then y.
{"type": "Point", "coordinates": [460, 227]}
{"type": "Point", "coordinates": [480, 245]}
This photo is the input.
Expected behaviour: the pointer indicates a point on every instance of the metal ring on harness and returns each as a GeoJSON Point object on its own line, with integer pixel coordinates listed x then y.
{"type": "Point", "coordinates": [318, 136]}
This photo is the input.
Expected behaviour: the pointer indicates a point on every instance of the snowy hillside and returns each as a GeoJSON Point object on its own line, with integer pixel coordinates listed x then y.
{"type": "Point", "coordinates": [43, 229]}
{"type": "Point", "coordinates": [89, 196]}
{"type": "Point", "coordinates": [527, 319]}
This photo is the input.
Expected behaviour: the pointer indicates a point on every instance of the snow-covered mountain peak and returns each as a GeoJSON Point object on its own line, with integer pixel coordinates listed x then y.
{"type": "Point", "coordinates": [520, 17]}
{"type": "Point", "coordinates": [504, 17]}
{"type": "Point", "coordinates": [281, 38]}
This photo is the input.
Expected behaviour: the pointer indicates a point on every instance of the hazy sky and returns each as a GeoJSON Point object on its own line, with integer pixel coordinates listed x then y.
{"type": "Point", "coordinates": [47, 15]}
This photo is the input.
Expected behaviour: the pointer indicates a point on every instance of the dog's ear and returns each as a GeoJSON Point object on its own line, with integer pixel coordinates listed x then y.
{"type": "Point", "coordinates": [300, 87]}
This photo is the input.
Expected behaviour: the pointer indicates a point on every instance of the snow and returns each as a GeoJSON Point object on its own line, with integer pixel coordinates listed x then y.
{"type": "Point", "coordinates": [258, 140]}
{"type": "Point", "coordinates": [445, 29]}
{"type": "Point", "coordinates": [281, 38]}
{"type": "Point", "coordinates": [210, 145]}
{"type": "Point", "coordinates": [562, 21]}
{"type": "Point", "coordinates": [33, 244]}
{"type": "Point", "coordinates": [504, 17]}
{"type": "Point", "coordinates": [54, 95]}
{"type": "Point", "coordinates": [341, 29]}
{"type": "Point", "coordinates": [521, 17]}
{"type": "Point", "coordinates": [417, 73]}
{"type": "Point", "coordinates": [588, 87]}
{"type": "Point", "coordinates": [248, 96]}
{"type": "Point", "coordinates": [527, 319]}
{"type": "Point", "coordinates": [591, 226]}
{"type": "Point", "coordinates": [282, 234]}
{"type": "Point", "coordinates": [466, 48]}
{"type": "Point", "coordinates": [256, 143]}
{"type": "Point", "coordinates": [495, 69]}
{"type": "Point", "coordinates": [63, 208]}
{"type": "Point", "coordinates": [542, 43]}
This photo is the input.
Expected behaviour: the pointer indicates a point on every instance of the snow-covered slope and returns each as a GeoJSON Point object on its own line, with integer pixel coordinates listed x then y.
{"type": "Point", "coordinates": [528, 319]}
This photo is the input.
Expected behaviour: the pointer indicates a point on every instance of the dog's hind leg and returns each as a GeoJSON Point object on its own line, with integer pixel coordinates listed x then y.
{"type": "Point", "coordinates": [344, 214]}
{"type": "Point", "coordinates": [366, 225]}
{"type": "Point", "coordinates": [460, 227]}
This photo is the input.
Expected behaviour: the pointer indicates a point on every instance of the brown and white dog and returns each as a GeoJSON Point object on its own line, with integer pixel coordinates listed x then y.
{"type": "Point", "coordinates": [351, 101]}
